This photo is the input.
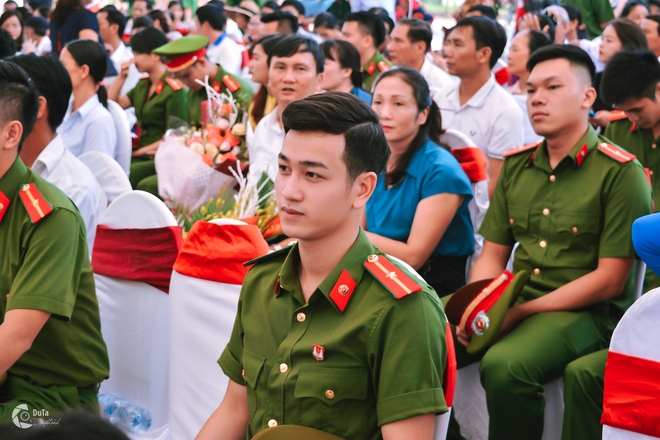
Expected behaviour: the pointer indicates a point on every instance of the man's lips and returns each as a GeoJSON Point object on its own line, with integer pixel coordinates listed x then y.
{"type": "Point", "coordinates": [289, 211]}
{"type": "Point", "coordinates": [538, 115]}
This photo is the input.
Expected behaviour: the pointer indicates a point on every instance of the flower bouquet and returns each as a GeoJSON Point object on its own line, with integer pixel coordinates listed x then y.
{"type": "Point", "coordinates": [193, 164]}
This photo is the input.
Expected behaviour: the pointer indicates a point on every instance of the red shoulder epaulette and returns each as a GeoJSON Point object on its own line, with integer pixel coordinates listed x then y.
{"type": "Point", "coordinates": [383, 66]}
{"type": "Point", "coordinates": [617, 115]}
{"type": "Point", "coordinates": [4, 205]}
{"type": "Point", "coordinates": [371, 68]}
{"type": "Point", "coordinates": [392, 278]}
{"type": "Point", "coordinates": [514, 151]}
{"type": "Point", "coordinates": [35, 203]}
{"type": "Point", "coordinates": [231, 83]}
{"type": "Point", "coordinates": [616, 153]}
{"type": "Point", "coordinates": [175, 84]}
{"type": "Point", "coordinates": [159, 87]}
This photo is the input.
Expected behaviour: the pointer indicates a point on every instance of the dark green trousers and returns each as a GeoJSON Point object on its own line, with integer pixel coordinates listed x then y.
{"type": "Point", "coordinates": [54, 399]}
{"type": "Point", "coordinates": [143, 175]}
{"type": "Point", "coordinates": [583, 397]}
{"type": "Point", "coordinates": [514, 370]}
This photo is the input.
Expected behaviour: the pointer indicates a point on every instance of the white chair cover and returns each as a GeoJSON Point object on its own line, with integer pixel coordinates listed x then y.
{"type": "Point", "coordinates": [108, 173]}
{"type": "Point", "coordinates": [124, 142]}
{"type": "Point", "coordinates": [480, 201]}
{"type": "Point", "coordinates": [637, 335]}
{"type": "Point", "coordinates": [135, 321]}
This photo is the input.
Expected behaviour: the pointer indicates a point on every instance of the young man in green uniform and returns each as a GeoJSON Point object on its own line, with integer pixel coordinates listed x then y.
{"type": "Point", "coordinates": [631, 83]}
{"type": "Point", "coordinates": [569, 202]}
{"type": "Point", "coordinates": [596, 14]}
{"type": "Point", "coordinates": [330, 333]}
{"type": "Point", "coordinates": [52, 354]}
{"type": "Point", "coordinates": [367, 32]}
{"type": "Point", "coordinates": [186, 59]}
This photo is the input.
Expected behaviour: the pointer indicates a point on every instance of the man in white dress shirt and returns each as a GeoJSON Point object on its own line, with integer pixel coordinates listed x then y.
{"type": "Point", "coordinates": [211, 22]}
{"type": "Point", "coordinates": [295, 66]}
{"type": "Point", "coordinates": [478, 106]}
{"type": "Point", "coordinates": [43, 150]}
{"type": "Point", "coordinates": [410, 42]}
{"type": "Point", "coordinates": [111, 28]}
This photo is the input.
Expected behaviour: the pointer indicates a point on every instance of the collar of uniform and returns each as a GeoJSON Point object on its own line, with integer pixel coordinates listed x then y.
{"type": "Point", "coordinates": [374, 59]}
{"type": "Point", "coordinates": [11, 181]}
{"type": "Point", "coordinates": [49, 157]}
{"type": "Point", "coordinates": [590, 138]}
{"type": "Point", "coordinates": [353, 263]}
{"type": "Point", "coordinates": [221, 74]}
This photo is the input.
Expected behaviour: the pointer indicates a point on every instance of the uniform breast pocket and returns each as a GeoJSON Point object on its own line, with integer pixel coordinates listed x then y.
{"type": "Point", "coordinates": [253, 365]}
{"type": "Point", "coordinates": [333, 399]}
{"type": "Point", "coordinates": [577, 232]}
{"type": "Point", "coordinates": [519, 221]}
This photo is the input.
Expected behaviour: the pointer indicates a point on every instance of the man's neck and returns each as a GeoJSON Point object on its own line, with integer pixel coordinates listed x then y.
{"type": "Point", "coordinates": [367, 55]}
{"type": "Point", "coordinates": [214, 35]}
{"type": "Point", "coordinates": [320, 257]}
{"type": "Point", "coordinates": [6, 161]}
{"type": "Point", "coordinates": [157, 73]}
{"type": "Point", "coordinates": [36, 142]}
{"type": "Point", "coordinates": [560, 145]}
{"type": "Point", "coordinates": [417, 64]}
{"type": "Point", "coordinates": [655, 130]}
{"type": "Point", "coordinates": [114, 43]}
{"type": "Point", "coordinates": [470, 84]}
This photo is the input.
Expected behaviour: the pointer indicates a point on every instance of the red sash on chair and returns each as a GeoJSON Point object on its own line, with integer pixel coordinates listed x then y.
{"type": "Point", "coordinates": [144, 255]}
{"type": "Point", "coordinates": [217, 252]}
{"type": "Point", "coordinates": [473, 161]}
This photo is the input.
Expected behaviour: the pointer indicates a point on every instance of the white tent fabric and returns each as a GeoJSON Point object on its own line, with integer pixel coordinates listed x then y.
{"type": "Point", "coordinates": [135, 321]}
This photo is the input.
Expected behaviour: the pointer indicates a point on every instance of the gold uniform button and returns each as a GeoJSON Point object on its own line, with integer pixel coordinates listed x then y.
{"type": "Point", "coordinates": [653, 146]}
{"type": "Point", "coordinates": [543, 243]}
{"type": "Point", "coordinates": [537, 271]}
{"type": "Point", "coordinates": [650, 172]}
{"type": "Point", "coordinates": [284, 368]}
{"type": "Point", "coordinates": [575, 230]}
{"type": "Point", "coordinates": [301, 317]}
{"type": "Point", "coordinates": [243, 374]}
{"type": "Point", "coordinates": [511, 221]}
{"type": "Point", "coordinates": [552, 178]}
{"type": "Point", "coordinates": [272, 423]}
{"type": "Point", "coordinates": [546, 212]}
{"type": "Point", "coordinates": [329, 394]}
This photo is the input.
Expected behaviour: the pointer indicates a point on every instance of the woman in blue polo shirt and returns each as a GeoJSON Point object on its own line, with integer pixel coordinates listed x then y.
{"type": "Point", "coordinates": [419, 209]}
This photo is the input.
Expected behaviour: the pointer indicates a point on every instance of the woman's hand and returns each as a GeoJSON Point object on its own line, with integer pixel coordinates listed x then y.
{"type": "Point", "coordinates": [123, 73]}
{"type": "Point", "coordinates": [148, 150]}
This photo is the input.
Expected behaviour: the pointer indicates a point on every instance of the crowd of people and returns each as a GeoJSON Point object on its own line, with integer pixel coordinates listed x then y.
{"type": "Point", "coordinates": [355, 110]}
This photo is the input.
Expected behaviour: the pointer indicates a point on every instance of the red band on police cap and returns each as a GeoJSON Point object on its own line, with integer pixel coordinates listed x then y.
{"type": "Point", "coordinates": [181, 62]}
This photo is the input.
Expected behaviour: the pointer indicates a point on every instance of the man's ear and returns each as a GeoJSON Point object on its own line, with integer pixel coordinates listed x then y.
{"type": "Point", "coordinates": [483, 55]}
{"type": "Point", "coordinates": [589, 97]}
{"type": "Point", "coordinates": [43, 108]}
{"type": "Point", "coordinates": [10, 135]}
{"type": "Point", "coordinates": [366, 184]}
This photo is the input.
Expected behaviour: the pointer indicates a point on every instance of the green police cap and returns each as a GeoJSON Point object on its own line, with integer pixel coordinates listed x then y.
{"type": "Point", "coordinates": [479, 308]}
{"type": "Point", "coordinates": [293, 432]}
{"type": "Point", "coordinates": [182, 53]}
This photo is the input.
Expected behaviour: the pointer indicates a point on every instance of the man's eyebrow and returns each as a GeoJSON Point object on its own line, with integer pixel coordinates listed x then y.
{"type": "Point", "coordinates": [545, 80]}
{"type": "Point", "coordinates": [312, 164]}
{"type": "Point", "coordinates": [283, 157]}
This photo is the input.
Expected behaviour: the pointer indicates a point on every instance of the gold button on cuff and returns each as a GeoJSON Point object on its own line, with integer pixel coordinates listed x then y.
{"type": "Point", "coordinates": [546, 212]}
{"type": "Point", "coordinates": [511, 221]}
{"type": "Point", "coordinates": [552, 178]}
{"type": "Point", "coordinates": [654, 146]}
{"type": "Point", "coordinates": [272, 423]}
{"type": "Point", "coordinates": [537, 271]}
{"type": "Point", "coordinates": [301, 317]}
{"type": "Point", "coordinates": [329, 394]}
{"type": "Point", "coordinates": [575, 230]}
{"type": "Point", "coordinates": [543, 243]}
{"type": "Point", "coordinates": [284, 368]}
{"type": "Point", "coordinates": [243, 374]}
{"type": "Point", "coordinates": [650, 172]}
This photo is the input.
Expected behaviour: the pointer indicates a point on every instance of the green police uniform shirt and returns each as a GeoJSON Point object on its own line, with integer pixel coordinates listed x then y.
{"type": "Point", "coordinates": [566, 218]}
{"type": "Point", "coordinates": [223, 82]}
{"type": "Point", "coordinates": [153, 114]}
{"type": "Point", "coordinates": [381, 360]}
{"type": "Point", "coordinates": [372, 69]}
{"type": "Point", "coordinates": [594, 12]}
{"type": "Point", "coordinates": [45, 266]}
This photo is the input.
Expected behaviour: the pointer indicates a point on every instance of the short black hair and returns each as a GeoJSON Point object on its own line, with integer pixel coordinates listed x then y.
{"type": "Point", "coordinates": [629, 7]}
{"type": "Point", "coordinates": [570, 53]}
{"type": "Point", "coordinates": [115, 17]}
{"type": "Point", "coordinates": [655, 18]}
{"type": "Point", "coordinates": [293, 44]}
{"type": "Point", "coordinates": [143, 22]}
{"type": "Point", "coordinates": [487, 33]}
{"type": "Point", "coordinates": [271, 4]}
{"type": "Point", "coordinates": [537, 40]}
{"type": "Point", "coordinates": [19, 98]}
{"type": "Point", "coordinates": [654, 3]}
{"type": "Point", "coordinates": [327, 20]}
{"type": "Point", "coordinates": [53, 82]}
{"type": "Point", "coordinates": [147, 40]}
{"type": "Point", "coordinates": [347, 56]}
{"type": "Point", "coordinates": [369, 24]}
{"type": "Point", "coordinates": [288, 23]}
{"type": "Point", "coordinates": [213, 15]}
{"type": "Point", "coordinates": [296, 5]}
{"type": "Point", "coordinates": [150, 3]}
{"type": "Point", "coordinates": [485, 11]}
{"type": "Point", "coordinates": [159, 16]}
{"type": "Point", "coordinates": [38, 24]}
{"type": "Point", "coordinates": [337, 113]}
{"type": "Point", "coordinates": [7, 44]}
{"type": "Point", "coordinates": [384, 16]}
{"type": "Point", "coordinates": [418, 30]}
{"type": "Point", "coordinates": [11, 2]}
{"type": "Point", "coordinates": [630, 75]}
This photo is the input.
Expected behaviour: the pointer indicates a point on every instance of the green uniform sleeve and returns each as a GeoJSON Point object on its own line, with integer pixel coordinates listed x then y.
{"type": "Point", "coordinates": [627, 198]}
{"type": "Point", "coordinates": [131, 94]}
{"type": "Point", "coordinates": [496, 226]}
{"type": "Point", "coordinates": [407, 372]}
{"type": "Point", "coordinates": [603, 11]}
{"type": "Point", "coordinates": [49, 275]}
{"type": "Point", "coordinates": [176, 106]}
{"type": "Point", "coordinates": [231, 359]}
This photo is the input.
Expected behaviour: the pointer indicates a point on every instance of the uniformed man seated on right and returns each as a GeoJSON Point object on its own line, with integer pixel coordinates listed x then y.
{"type": "Point", "coordinates": [569, 202]}
{"type": "Point", "coordinates": [331, 333]}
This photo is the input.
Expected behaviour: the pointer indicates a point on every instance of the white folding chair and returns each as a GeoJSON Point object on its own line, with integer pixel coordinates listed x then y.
{"type": "Point", "coordinates": [197, 383]}
{"type": "Point", "coordinates": [135, 320]}
{"type": "Point", "coordinates": [124, 143]}
{"type": "Point", "coordinates": [108, 173]}
{"type": "Point", "coordinates": [636, 336]}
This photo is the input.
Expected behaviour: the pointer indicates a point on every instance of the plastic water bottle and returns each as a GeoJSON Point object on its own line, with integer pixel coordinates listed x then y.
{"type": "Point", "coordinates": [120, 412]}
